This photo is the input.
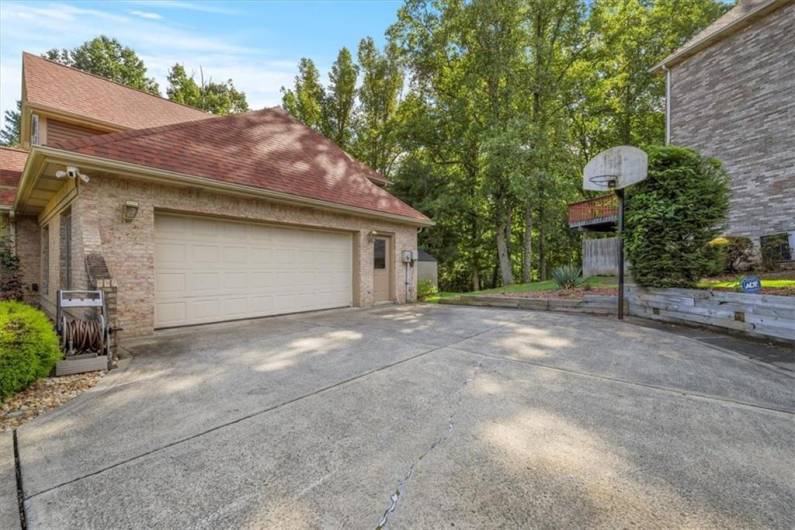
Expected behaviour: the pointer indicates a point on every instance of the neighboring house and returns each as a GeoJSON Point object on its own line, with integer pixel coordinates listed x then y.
{"type": "Point", "coordinates": [427, 268]}
{"type": "Point", "coordinates": [185, 218]}
{"type": "Point", "coordinates": [731, 95]}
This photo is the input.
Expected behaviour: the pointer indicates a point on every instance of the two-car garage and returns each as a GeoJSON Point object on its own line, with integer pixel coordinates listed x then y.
{"type": "Point", "coordinates": [211, 270]}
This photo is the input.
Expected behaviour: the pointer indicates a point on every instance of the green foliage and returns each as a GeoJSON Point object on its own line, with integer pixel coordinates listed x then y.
{"type": "Point", "coordinates": [28, 346]}
{"type": "Point", "coordinates": [426, 289]}
{"type": "Point", "coordinates": [305, 100]}
{"type": "Point", "coordinates": [9, 136]}
{"type": "Point", "coordinates": [10, 276]}
{"type": "Point", "coordinates": [673, 215]}
{"type": "Point", "coordinates": [482, 113]}
{"type": "Point", "coordinates": [216, 98]}
{"type": "Point", "coordinates": [341, 98]}
{"type": "Point", "coordinates": [729, 254]}
{"type": "Point", "coordinates": [107, 58]}
{"type": "Point", "coordinates": [567, 276]}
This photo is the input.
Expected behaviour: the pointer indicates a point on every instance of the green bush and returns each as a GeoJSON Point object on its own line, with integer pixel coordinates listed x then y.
{"type": "Point", "coordinates": [729, 254]}
{"type": "Point", "coordinates": [673, 215]}
{"type": "Point", "coordinates": [28, 346]}
{"type": "Point", "coordinates": [426, 289]}
{"type": "Point", "coordinates": [567, 276]}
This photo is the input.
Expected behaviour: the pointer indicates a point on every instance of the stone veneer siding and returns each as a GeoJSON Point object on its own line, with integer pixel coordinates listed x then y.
{"type": "Point", "coordinates": [736, 101]}
{"type": "Point", "coordinates": [128, 248]}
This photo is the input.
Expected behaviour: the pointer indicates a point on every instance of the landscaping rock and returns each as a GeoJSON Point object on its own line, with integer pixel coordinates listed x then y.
{"type": "Point", "coordinates": [42, 396]}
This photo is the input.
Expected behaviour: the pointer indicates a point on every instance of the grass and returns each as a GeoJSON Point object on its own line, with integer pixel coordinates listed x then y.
{"type": "Point", "coordinates": [719, 283]}
{"type": "Point", "coordinates": [546, 285]}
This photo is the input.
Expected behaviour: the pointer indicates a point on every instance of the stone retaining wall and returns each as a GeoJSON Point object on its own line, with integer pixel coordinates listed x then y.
{"type": "Point", "coordinates": [591, 304]}
{"type": "Point", "coordinates": [765, 316]}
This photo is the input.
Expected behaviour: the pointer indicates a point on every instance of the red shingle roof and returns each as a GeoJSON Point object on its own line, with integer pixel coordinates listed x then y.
{"type": "Point", "coordinates": [12, 162]}
{"type": "Point", "coordinates": [266, 149]}
{"type": "Point", "coordinates": [69, 90]}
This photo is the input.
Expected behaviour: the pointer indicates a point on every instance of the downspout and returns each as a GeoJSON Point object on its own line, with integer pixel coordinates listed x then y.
{"type": "Point", "coordinates": [667, 105]}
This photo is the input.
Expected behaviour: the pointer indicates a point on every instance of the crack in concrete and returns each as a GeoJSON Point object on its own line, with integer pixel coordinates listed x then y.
{"type": "Point", "coordinates": [400, 490]}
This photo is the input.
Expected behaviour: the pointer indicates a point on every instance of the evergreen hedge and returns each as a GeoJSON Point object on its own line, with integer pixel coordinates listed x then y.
{"type": "Point", "coordinates": [673, 215]}
{"type": "Point", "coordinates": [28, 346]}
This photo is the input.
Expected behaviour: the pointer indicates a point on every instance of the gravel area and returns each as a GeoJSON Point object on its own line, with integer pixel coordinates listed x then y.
{"type": "Point", "coordinates": [42, 396]}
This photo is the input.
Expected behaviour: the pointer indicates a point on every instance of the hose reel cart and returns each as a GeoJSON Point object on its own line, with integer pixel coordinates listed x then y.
{"type": "Point", "coordinates": [82, 321]}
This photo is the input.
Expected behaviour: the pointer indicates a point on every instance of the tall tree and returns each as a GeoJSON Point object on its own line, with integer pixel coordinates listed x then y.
{"type": "Point", "coordinates": [216, 98]}
{"type": "Point", "coordinates": [379, 97]}
{"type": "Point", "coordinates": [108, 58]}
{"type": "Point", "coordinates": [9, 136]}
{"type": "Point", "coordinates": [305, 101]}
{"type": "Point", "coordinates": [341, 98]}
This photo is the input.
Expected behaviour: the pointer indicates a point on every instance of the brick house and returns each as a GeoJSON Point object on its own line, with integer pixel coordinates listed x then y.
{"type": "Point", "coordinates": [186, 218]}
{"type": "Point", "coordinates": [731, 95]}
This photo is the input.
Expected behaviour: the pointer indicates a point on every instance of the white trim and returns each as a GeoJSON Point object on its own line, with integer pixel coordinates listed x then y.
{"type": "Point", "coordinates": [667, 105]}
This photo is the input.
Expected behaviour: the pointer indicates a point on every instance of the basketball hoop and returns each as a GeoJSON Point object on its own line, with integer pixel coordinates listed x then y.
{"type": "Point", "coordinates": [613, 170]}
{"type": "Point", "coordinates": [604, 181]}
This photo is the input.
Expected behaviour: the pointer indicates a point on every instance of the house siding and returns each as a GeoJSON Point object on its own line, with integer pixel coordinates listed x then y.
{"type": "Point", "coordinates": [58, 131]}
{"type": "Point", "coordinates": [28, 248]}
{"type": "Point", "coordinates": [128, 248]}
{"type": "Point", "coordinates": [735, 101]}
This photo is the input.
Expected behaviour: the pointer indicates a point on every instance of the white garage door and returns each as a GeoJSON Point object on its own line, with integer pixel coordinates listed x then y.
{"type": "Point", "coordinates": [208, 270]}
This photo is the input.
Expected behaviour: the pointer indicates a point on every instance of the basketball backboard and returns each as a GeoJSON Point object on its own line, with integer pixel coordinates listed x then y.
{"type": "Point", "coordinates": [615, 169]}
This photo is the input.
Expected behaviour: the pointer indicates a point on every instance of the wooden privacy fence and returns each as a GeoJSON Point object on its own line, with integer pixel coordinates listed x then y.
{"type": "Point", "coordinates": [600, 257]}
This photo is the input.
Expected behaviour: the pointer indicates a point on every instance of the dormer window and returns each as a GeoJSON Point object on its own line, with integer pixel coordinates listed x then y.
{"type": "Point", "coordinates": [34, 129]}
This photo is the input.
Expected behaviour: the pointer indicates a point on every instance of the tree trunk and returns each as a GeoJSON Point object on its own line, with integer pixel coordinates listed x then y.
{"type": "Point", "coordinates": [502, 253]}
{"type": "Point", "coordinates": [542, 263]}
{"type": "Point", "coordinates": [475, 278]}
{"type": "Point", "coordinates": [527, 255]}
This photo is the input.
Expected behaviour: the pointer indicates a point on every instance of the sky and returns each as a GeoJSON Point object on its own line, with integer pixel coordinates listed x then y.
{"type": "Point", "coordinates": [257, 44]}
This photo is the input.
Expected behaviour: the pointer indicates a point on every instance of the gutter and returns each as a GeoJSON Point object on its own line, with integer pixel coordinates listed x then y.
{"type": "Point", "coordinates": [44, 154]}
{"type": "Point", "coordinates": [690, 49]}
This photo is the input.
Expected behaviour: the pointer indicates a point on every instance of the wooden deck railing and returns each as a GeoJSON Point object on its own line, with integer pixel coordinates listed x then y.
{"type": "Point", "coordinates": [602, 209]}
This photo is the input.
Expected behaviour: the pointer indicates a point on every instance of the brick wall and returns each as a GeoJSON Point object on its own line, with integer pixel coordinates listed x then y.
{"type": "Point", "coordinates": [736, 101]}
{"type": "Point", "coordinates": [29, 252]}
{"type": "Point", "coordinates": [128, 248]}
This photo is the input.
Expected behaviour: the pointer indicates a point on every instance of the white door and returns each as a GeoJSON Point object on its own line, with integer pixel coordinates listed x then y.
{"type": "Point", "coordinates": [209, 270]}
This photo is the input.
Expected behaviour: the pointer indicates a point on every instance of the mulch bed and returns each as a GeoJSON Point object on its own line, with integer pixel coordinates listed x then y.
{"type": "Point", "coordinates": [43, 395]}
{"type": "Point", "coordinates": [566, 294]}
{"type": "Point", "coordinates": [777, 291]}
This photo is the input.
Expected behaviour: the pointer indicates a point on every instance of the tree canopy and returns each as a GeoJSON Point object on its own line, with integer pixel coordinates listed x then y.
{"type": "Point", "coordinates": [483, 112]}
{"type": "Point", "coordinates": [216, 98]}
{"type": "Point", "coordinates": [108, 58]}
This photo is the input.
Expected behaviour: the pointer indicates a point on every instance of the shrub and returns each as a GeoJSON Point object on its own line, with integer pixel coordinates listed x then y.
{"type": "Point", "coordinates": [28, 346]}
{"type": "Point", "coordinates": [567, 277]}
{"type": "Point", "coordinates": [426, 289]}
{"type": "Point", "coordinates": [673, 215]}
{"type": "Point", "coordinates": [730, 254]}
{"type": "Point", "coordinates": [10, 275]}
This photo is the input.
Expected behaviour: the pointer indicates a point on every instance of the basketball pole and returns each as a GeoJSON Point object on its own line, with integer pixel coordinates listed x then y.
{"type": "Point", "coordinates": [620, 196]}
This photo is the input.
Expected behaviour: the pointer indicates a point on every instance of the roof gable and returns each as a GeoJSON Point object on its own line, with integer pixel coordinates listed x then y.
{"type": "Point", "coordinates": [266, 149]}
{"type": "Point", "coordinates": [64, 89]}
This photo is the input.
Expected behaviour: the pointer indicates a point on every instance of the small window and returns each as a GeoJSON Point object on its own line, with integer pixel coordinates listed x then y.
{"type": "Point", "coordinates": [379, 254]}
{"type": "Point", "coordinates": [34, 129]}
{"type": "Point", "coordinates": [775, 248]}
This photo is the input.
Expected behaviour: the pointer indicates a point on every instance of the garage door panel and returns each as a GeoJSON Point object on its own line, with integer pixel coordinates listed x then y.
{"type": "Point", "coordinates": [167, 313]}
{"type": "Point", "coordinates": [210, 270]}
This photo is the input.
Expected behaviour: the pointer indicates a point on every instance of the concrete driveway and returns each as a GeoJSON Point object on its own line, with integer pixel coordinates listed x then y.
{"type": "Point", "coordinates": [419, 416]}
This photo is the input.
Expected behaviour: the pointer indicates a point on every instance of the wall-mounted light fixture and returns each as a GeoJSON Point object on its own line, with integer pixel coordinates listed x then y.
{"type": "Point", "coordinates": [130, 211]}
{"type": "Point", "coordinates": [371, 235]}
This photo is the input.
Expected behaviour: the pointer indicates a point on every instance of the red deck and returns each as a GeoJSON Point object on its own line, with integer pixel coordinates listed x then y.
{"type": "Point", "coordinates": [601, 210]}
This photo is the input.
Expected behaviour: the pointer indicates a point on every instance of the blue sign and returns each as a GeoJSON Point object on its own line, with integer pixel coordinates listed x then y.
{"type": "Point", "coordinates": [751, 284]}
